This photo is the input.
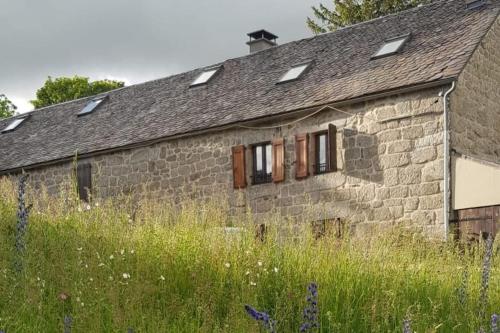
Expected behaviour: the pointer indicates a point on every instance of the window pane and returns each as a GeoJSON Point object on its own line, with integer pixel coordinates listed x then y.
{"type": "Point", "coordinates": [258, 158]}
{"type": "Point", "coordinates": [294, 73]}
{"type": "Point", "coordinates": [390, 47]}
{"type": "Point", "coordinates": [269, 159]}
{"type": "Point", "coordinates": [204, 77]}
{"type": "Point", "coordinates": [322, 149]}
{"type": "Point", "coordinates": [14, 124]}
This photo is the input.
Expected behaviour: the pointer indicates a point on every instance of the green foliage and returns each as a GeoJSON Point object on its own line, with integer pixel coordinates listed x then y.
{"type": "Point", "coordinates": [7, 108]}
{"type": "Point", "coordinates": [158, 269]}
{"type": "Point", "coordinates": [64, 89]}
{"type": "Point", "coordinates": [349, 12]}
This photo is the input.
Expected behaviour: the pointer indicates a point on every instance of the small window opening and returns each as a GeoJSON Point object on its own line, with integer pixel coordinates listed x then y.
{"type": "Point", "coordinates": [472, 4]}
{"type": "Point", "coordinates": [205, 76]}
{"type": "Point", "coordinates": [391, 46]}
{"type": "Point", "coordinates": [84, 181]}
{"type": "Point", "coordinates": [321, 158]}
{"type": "Point", "coordinates": [294, 73]}
{"type": "Point", "coordinates": [14, 124]}
{"type": "Point", "coordinates": [262, 163]}
{"type": "Point", "coordinates": [91, 106]}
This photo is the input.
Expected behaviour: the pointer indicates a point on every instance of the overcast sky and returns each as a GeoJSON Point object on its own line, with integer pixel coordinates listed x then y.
{"type": "Point", "coordinates": [131, 40]}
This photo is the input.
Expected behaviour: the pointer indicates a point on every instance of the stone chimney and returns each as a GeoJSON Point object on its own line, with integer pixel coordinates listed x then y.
{"type": "Point", "coordinates": [261, 40]}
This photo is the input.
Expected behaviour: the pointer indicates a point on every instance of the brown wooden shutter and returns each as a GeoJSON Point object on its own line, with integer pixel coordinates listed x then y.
{"type": "Point", "coordinates": [332, 148]}
{"type": "Point", "coordinates": [84, 181]}
{"type": "Point", "coordinates": [239, 176]}
{"type": "Point", "coordinates": [301, 155]}
{"type": "Point", "coordinates": [312, 163]}
{"type": "Point", "coordinates": [278, 160]}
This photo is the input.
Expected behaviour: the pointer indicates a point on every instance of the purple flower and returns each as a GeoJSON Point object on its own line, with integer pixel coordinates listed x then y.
{"type": "Point", "coordinates": [483, 298]}
{"type": "Point", "coordinates": [67, 324]}
{"type": "Point", "coordinates": [268, 323]}
{"type": "Point", "coordinates": [494, 323]}
{"type": "Point", "coordinates": [22, 221]}
{"type": "Point", "coordinates": [310, 314]}
{"type": "Point", "coordinates": [407, 326]}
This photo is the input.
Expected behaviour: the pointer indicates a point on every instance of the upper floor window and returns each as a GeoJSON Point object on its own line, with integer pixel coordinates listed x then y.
{"type": "Point", "coordinates": [91, 106]}
{"type": "Point", "coordinates": [205, 76]}
{"type": "Point", "coordinates": [294, 73]}
{"type": "Point", "coordinates": [262, 163]}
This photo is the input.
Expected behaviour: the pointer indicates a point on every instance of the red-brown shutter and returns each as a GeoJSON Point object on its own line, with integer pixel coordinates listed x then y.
{"type": "Point", "coordinates": [301, 155]}
{"type": "Point", "coordinates": [239, 177]}
{"type": "Point", "coordinates": [278, 160]}
{"type": "Point", "coordinates": [332, 148]}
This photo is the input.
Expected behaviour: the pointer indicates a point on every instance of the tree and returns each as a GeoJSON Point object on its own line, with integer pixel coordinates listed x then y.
{"type": "Point", "coordinates": [348, 12]}
{"type": "Point", "coordinates": [7, 108]}
{"type": "Point", "coordinates": [64, 89]}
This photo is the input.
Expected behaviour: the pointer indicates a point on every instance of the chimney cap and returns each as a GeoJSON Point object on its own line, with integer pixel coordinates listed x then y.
{"type": "Point", "coordinates": [262, 34]}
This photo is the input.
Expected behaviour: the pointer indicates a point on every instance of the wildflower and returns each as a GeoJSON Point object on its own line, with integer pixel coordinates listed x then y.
{"type": "Point", "coordinates": [63, 296]}
{"type": "Point", "coordinates": [111, 257]}
{"type": "Point", "coordinates": [268, 323]}
{"type": "Point", "coordinates": [494, 323]}
{"type": "Point", "coordinates": [407, 326]}
{"type": "Point", "coordinates": [483, 298]}
{"type": "Point", "coordinates": [462, 290]}
{"type": "Point", "coordinates": [126, 275]}
{"type": "Point", "coordinates": [227, 264]}
{"type": "Point", "coordinates": [275, 269]}
{"type": "Point", "coordinates": [80, 209]}
{"type": "Point", "coordinates": [100, 264]}
{"type": "Point", "coordinates": [110, 278]}
{"type": "Point", "coordinates": [132, 251]}
{"type": "Point", "coordinates": [78, 299]}
{"type": "Point", "coordinates": [311, 311]}
{"type": "Point", "coordinates": [91, 279]}
{"type": "Point", "coordinates": [162, 278]}
{"type": "Point", "coordinates": [259, 263]}
{"type": "Point", "coordinates": [22, 221]}
{"type": "Point", "coordinates": [97, 204]}
{"type": "Point", "coordinates": [122, 252]}
{"type": "Point", "coordinates": [87, 207]}
{"type": "Point", "coordinates": [247, 272]}
{"type": "Point", "coordinates": [79, 248]}
{"type": "Point", "coordinates": [253, 283]}
{"type": "Point", "coordinates": [67, 323]}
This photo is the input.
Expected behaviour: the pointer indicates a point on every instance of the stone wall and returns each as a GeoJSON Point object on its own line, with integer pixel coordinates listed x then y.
{"type": "Point", "coordinates": [389, 157]}
{"type": "Point", "coordinates": [475, 104]}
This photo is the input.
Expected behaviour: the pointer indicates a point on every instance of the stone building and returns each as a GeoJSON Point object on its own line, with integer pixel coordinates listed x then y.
{"type": "Point", "coordinates": [394, 120]}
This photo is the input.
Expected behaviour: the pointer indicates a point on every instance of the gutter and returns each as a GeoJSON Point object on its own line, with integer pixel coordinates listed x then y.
{"type": "Point", "coordinates": [446, 161]}
{"type": "Point", "coordinates": [282, 115]}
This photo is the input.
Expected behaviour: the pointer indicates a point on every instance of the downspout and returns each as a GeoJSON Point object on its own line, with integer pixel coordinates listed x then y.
{"type": "Point", "coordinates": [446, 162]}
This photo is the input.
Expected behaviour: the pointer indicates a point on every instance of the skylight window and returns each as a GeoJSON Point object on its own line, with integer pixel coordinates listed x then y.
{"type": "Point", "coordinates": [14, 124]}
{"type": "Point", "coordinates": [205, 76]}
{"type": "Point", "coordinates": [91, 106]}
{"type": "Point", "coordinates": [391, 46]}
{"type": "Point", "coordinates": [294, 73]}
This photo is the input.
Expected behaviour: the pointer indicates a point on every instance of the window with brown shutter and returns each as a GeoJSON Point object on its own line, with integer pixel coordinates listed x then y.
{"type": "Point", "coordinates": [325, 150]}
{"type": "Point", "coordinates": [239, 177]}
{"type": "Point", "coordinates": [278, 157]}
{"type": "Point", "coordinates": [301, 155]}
{"type": "Point", "coordinates": [84, 181]}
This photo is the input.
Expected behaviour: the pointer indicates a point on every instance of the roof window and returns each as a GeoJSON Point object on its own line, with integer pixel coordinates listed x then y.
{"type": "Point", "coordinates": [294, 73]}
{"type": "Point", "coordinates": [91, 106]}
{"type": "Point", "coordinates": [14, 124]}
{"type": "Point", "coordinates": [391, 46]}
{"type": "Point", "coordinates": [471, 4]}
{"type": "Point", "coordinates": [205, 76]}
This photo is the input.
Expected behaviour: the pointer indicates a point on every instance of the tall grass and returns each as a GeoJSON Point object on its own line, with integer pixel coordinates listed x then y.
{"type": "Point", "coordinates": [158, 268]}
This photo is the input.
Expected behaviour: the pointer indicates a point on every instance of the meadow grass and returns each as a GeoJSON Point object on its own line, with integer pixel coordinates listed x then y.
{"type": "Point", "coordinates": [158, 268]}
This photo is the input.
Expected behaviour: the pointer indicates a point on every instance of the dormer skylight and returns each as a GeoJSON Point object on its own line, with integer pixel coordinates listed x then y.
{"type": "Point", "coordinates": [294, 73]}
{"type": "Point", "coordinates": [472, 4]}
{"type": "Point", "coordinates": [14, 124]}
{"type": "Point", "coordinates": [91, 106]}
{"type": "Point", "coordinates": [391, 46]}
{"type": "Point", "coordinates": [205, 76]}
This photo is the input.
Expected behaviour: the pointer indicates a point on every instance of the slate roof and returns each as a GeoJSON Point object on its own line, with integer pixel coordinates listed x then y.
{"type": "Point", "coordinates": [443, 36]}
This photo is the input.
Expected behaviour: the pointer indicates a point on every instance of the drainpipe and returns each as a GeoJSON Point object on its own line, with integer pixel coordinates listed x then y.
{"type": "Point", "coordinates": [446, 162]}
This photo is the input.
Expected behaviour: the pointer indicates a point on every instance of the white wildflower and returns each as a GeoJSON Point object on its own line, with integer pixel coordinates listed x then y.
{"type": "Point", "coordinates": [122, 252]}
{"type": "Point", "coordinates": [111, 257]}
{"type": "Point", "coordinates": [80, 209]}
{"type": "Point", "coordinates": [78, 299]}
{"type": "Point", "coordinates": [275, 269]}
{"type": "Point", "coordinates": [227, 264]}
{"type": "Point", "coordinates": [110, 278]}
{"type": "Point", "coordinates": [97, 204]}
{"type": "Point", "coordinates": [79, 249]}
{"type": "Point", "coordinates": [126, 275]}
{"type": "Point", "coordinates": [162, 278]}
{"type": "Point", "coordinates": [132, 251]}
{"type": "Point", "coordinates": [87, 207]}
{"type": "Point", "coordinates": [253, 283]}
{"type": "Point", "coordinates": [101, 264]}
{"type": "Point", "coordinates": [82, 304]}
{"type": "Point", "coordinates": [247, 273]}
{"type": "Point", "coordinates": [91, 279]}
{"type": "Point", "coordinates": [259, 263]}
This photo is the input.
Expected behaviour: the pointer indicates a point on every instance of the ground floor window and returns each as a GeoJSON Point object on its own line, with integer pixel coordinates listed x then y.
{"type": "Point", "coordinates": [262, 163]}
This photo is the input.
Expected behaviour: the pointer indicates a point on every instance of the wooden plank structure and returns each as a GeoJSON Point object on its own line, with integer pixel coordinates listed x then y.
{"type": "Point", "coordinates": [476, 223]}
